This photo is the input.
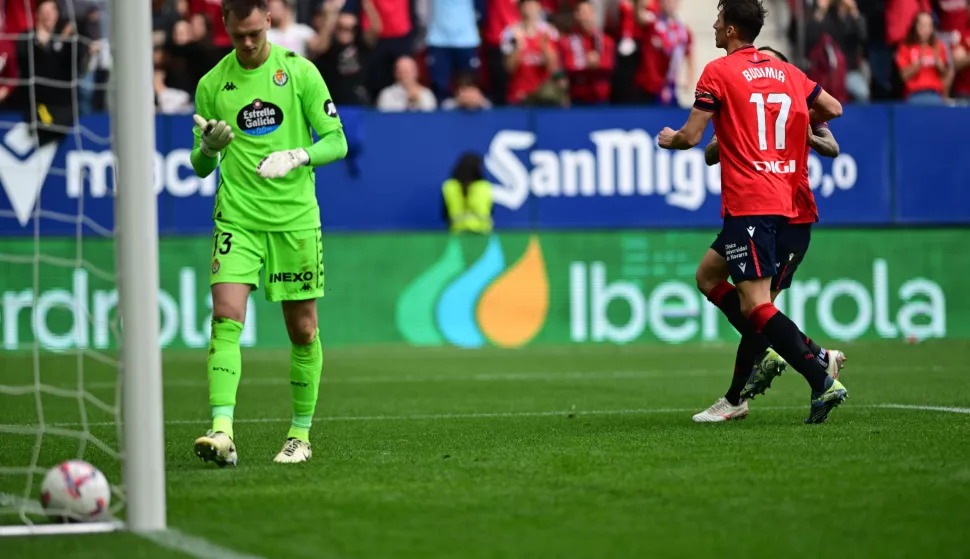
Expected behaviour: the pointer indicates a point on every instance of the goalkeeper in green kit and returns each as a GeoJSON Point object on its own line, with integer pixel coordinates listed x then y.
{"type": "Point", "coordinates": [255, 111]}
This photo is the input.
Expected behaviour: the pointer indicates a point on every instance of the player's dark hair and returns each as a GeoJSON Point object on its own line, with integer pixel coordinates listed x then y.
{"type": "Point", "coordinates": [775, 52]}
{"type": "Point", "coordinates": [746, 16]}
{"type": "Point", "coordinates": [242, 8]}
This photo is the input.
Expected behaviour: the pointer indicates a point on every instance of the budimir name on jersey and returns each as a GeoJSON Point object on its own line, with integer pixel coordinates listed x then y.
{"type": "Point", "coordinates": [764, 73]}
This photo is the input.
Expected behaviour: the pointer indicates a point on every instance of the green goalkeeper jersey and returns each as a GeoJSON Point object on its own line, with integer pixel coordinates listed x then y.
{"type": "Point", "coordinates": [271, 108]}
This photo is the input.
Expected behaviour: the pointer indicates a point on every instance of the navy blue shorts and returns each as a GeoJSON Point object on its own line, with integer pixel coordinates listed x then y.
{"type": "Point", "coordinates": [747, 243]}
{"type": "Point", "coordinates": [791, 245]}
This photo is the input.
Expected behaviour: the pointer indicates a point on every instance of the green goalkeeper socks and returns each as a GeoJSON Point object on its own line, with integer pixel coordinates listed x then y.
{"type": "Point", "coordinates": [306, 365]}
{"type": "Point", "coordinates": [225, 366]}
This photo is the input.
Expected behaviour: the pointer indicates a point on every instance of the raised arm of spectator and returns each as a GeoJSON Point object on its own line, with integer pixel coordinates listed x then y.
{"type": "Point", "coordinates": [551, 52]}
{"type": "Point", "coordinates": [322, 41]}
{"type": "Point", "coordinates": [511, 46]}
{"type": "Point", "coordinates": [376, 25]}
{"type": "Point", "coordinates": [961, 57]}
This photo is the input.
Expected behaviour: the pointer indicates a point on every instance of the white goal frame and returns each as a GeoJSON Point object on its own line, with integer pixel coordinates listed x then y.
{"type": "Point", "coordinates": [136, 234]}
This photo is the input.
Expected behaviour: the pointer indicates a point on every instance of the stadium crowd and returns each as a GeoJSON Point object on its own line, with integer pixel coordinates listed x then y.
{"type": "Point", "coordinates": [425, 55]}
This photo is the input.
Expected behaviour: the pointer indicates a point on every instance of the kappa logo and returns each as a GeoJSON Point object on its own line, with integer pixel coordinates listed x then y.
{"type": "Point", "coordinates": [23, 170]}
{"type": "Point", "coordinates": [229, 87]}
{"type": "Point", "coordinates": [751, 231]}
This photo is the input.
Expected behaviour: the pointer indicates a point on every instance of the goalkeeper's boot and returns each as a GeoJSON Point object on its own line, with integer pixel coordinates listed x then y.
{"type": "Point", "coordinates": [770, 366]}
{"type": "Point", "coordinates": [824, 402]}
{"type": "Point", "coordinates": [216, 447]}
{"type": "Point", "coordinates": [722, 410]}
{"type": "Point", "coordinates": [835, 362]}
{"type": "Point", "coordinates": [294, 451]}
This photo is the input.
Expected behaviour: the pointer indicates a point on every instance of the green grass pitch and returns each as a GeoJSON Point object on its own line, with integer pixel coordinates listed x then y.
{"type": "Point", "coordinates": [543, 452]}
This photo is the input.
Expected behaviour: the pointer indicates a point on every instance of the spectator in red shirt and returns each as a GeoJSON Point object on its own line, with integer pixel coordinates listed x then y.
{"type": "Point", "coordinates": [18, 16]}
{"type": "Point", "coordinates": [499, 15]}
{"type": "Point", "coordinates": [530, 57]}
{"type": "Point", "coordinates": [665, 44]}
{"type": "Point", "coordinates": [9, 71]}
{"type": "Point", "coordinates": [395, 40]}
{"type": "Point", "coordinates": [899, 18]}
{"type": "Point", "coordinates": [961, 65]}
{"type": "Point", "coordinates": [954, 20]}
{"type": "Point", "coordinates": [211, 12]}
{"type": "Point", "coordinates": [923, 64]}
{"type": "Point", "coordinates": [587, 57]}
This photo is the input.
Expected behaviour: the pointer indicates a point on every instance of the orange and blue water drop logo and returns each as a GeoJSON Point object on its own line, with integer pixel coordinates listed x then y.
{"type": "Point", "coordinates": [489, 301]}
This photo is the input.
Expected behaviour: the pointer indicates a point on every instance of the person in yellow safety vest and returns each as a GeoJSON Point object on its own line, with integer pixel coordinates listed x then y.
{"type": "Point", "coordinates": [468, 197]}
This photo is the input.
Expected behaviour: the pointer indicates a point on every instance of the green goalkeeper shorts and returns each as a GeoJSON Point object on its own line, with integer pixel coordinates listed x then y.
{"type": "Point", "coordinates": [293, 261]}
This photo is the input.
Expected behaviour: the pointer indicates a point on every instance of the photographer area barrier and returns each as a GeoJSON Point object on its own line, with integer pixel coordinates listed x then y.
{"type": "Point", "coordinates": [552, 169]}
{"type": "Point", "coordinates": [507, 290]}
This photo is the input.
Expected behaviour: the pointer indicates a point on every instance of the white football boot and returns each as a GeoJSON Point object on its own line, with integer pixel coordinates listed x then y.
{"type": "Point", "coordinates": [836, 362]}
{"type": "Point", "coordinates": [294, 451]}
{"type": "Point", "coordinates": [722, 410]}
{"type": "Point", "coordinates": [216, 447]}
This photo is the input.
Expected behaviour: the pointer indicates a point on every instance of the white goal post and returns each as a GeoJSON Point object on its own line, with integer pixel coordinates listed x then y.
{"type": "Point", "coordinates": [136, 226]}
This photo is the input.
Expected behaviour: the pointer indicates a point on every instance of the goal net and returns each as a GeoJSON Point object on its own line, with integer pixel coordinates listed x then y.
{"type": "Point", "coordinates": [62, 376]}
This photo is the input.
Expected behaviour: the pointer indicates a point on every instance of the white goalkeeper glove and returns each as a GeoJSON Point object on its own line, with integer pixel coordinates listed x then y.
{"type": "Point", "coordinates": [216, 135]}
{"type": "Point", "coordinates": [279, 163]}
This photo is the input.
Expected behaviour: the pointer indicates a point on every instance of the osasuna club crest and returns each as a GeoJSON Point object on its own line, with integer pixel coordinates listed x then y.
{"type": "Point", "coordinates": [280, 78]}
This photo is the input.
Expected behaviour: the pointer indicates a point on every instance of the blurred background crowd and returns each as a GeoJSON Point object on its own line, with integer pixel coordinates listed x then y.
{"type": "Point", "coordinates": [425, 55]}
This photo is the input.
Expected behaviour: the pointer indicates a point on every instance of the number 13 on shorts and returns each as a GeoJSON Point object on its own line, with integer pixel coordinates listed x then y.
{"type": "Point", "coordinates": [293, 261]}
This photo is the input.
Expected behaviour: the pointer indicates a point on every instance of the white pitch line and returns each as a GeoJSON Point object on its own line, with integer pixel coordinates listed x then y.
{"type": "Point", "coordinates": [499, 415]}
{"type": "Point", "coordinates": [923, 408]}
{"type": "Point", "coordinates": [410, 379]}
{"type": "Point", "coordinates": [193, 546]}
{"type": "Point", "coordinates": [481, 377]}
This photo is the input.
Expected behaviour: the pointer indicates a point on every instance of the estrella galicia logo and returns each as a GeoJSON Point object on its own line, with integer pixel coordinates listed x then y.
{"type": "Point", "coordinates": [259, 118]}
{"type": "Point", "coordinates": [469, 306]}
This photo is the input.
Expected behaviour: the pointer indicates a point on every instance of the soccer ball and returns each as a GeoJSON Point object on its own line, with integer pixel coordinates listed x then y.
{"type": "Point", "coordinates": [75, 491]}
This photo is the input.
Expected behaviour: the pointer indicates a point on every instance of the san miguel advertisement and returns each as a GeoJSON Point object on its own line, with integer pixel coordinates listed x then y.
{"type": "Point", "coordinates": [579, 169]}
{"type": "Point", "coordinates": [506, 290]}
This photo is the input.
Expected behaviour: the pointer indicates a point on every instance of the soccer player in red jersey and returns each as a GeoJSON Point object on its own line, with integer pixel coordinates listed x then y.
{"type": "Point", "coordinates": [762, 108]}
{"type": "Point", "coordinates": [752, 378]}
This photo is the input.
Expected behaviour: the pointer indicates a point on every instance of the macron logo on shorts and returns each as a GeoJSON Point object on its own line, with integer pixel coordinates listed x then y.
{"type": "Point", "coordinates": [751, 232]}
{"type": "Point", "coordinates": [742, 265]}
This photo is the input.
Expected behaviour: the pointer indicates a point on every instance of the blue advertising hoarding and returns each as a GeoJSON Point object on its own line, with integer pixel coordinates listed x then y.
{"type": "Point", "coordinates": [553, 169]}
{"type": "Point", "coordinates": [932, 166]}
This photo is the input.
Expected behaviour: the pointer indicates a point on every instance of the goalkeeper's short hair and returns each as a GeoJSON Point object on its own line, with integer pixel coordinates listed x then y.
{"type": "Point", "coordinates": [242, 8]}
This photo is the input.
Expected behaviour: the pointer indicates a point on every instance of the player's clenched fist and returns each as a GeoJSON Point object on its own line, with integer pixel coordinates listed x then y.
{"type": "Point", "coordinates": [216, 135]}
{"type": "Point", "coordinates": [666, 138]}
{"type": "Point", "coordinates": [279, 163]}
